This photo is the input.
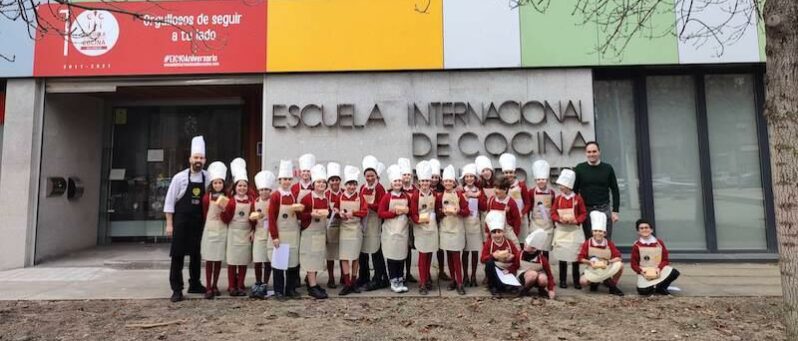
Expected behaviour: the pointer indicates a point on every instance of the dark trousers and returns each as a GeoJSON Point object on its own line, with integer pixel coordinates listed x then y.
{"type": "Point", "coordinates": [176, 271]}
{"type": "Point", "coordinates": [378, 261]}
{"type": "Point", "coordinates": [662, 286]}
{"type": "Point", "coordinates": [285, 281]}
{"type": "Point", "coordinates": [588, 230]}
{"type": "Point", "coordinates": [493, 280]}
{"type": "Point", "coordinates": [396, 268]}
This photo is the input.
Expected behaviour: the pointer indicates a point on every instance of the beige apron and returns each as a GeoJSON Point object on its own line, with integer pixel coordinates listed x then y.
{"type": "Point", "coordinates": [372, 226]}
{"type": "Point", "coordinates": [426, 235]}
{"type": "Point", "coordinates": [541, 217]}
{"type": "Point", "coordinates": [239, 247]}
{"type": "Point", "coordinates": [303, 192]}
{"type": "Point", "coordinates": [260, 242]}
{"type": "Point", "coordinates": [517, 195]}
{"type": "Point", "coordinates": [288, 233]}
{"type": "Point", "coordinates": [395, 233]}
{"type": "Point", "coordinates": [313, 243]}
{"type": "Point", "coordinates": [650, 257]}
{"type": "Point", "coordinates": [473, 228]}
{"type": "Point", "coordinates": [567, 238]}
{"type": "Point", "coordinates": [350, 238]}
{"type": "Point", "coordinates": [333, 231]}
{"type": "Point", "coordinates": [452, 229]}
{"type": "Point", "coordinates": [500, 265]}
{"type": "Point", "coordinates": [214, 235]}
{"type": "Point", "coordinates": [525, 266]}
{"type": "Point", "coordinates": [599, 275]}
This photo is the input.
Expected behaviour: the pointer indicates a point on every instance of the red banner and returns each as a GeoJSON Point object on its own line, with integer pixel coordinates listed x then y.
{"type": "Point", "coordinates": [174, 37]}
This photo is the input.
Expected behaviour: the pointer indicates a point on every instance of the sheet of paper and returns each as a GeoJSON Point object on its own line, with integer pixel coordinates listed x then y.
{"type": "Point", "coordinates": [117, 174]}
{"type": "Point", "coordinates": [154, 155]}
{"type": "Point", "coordinates": [280, 257]}
{"type": "Point", "coordinates": [473, 207]}
{"type": "Point", "coordinates": [508, 279]}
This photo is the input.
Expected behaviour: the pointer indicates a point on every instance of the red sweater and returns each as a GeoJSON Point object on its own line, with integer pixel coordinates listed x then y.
{"type": "Point", "coordinates": [274, 210]}
{"type": "Point", "coordinates": [332, 197]}
{"type": "Point", "coordinates": [488, 248]}
{"type": "Point", "coordinates": [230, 210]}
{"type": "Point", "coordinates": [378, 191]}
{"type": "Point", "coordinates": [414, 204]}
{"type": "Point", "coordinates": [295, 188]}
{"type": "Point", "coordinates": [576, 202]}
{"type": "Point", "coordinates": [311, 203]}
{"type": "Point", "coordinates": [464, 211]}
{"type": "Point", "coordinates": [540, 259]}
{"type": "Point", "coordinates": [410, 191]}
{"type": "Point", "coordinates": [636, 254]}
{"type": "Point", "coordinates": [513, 216]}
{"type": "Point", "coordinates": [364, 207]}
{"type": "Point", "coordinates": [384, 212]}
{"type": "Point", "coordinates": [614, 253]}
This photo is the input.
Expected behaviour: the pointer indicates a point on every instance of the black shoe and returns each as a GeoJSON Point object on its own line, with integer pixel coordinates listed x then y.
{"type": "Point", "coordinates": [196, 289]}
{"type": "Point", "coordinates": [317, 293]}
{"type": "Point", "coordinates": [209, 295]}
{"type": "Point", "coordinates": [376, 285]}
{"type": "Point", "coordinates": [615, 291]}
{"type": "Point", "coordinates": [410, 279]}
{"type": "Point", "coordinates": [428, 285]}
{"type": "Point", "coordinates": [279, 296]}
{"type": "Point", "coordinates": [563, 285]}
{"type": "Point", "coordinates": [346, 290]}
{"type": "Point", "coordinates": [177, 296]}
{"type": "Point", "coordinates": [662, 291]}
{"type": "Point", "coordinates": [331, 284]}
{"type": "Point", "coordinates": [423, 291]}
{"type": "Point", "coordinates": [452, 285]}
{"type": "Point", "coordinates": [493, 292]}
{"type": "Point", "coordinates": [577, 286]}
{"type": "Point", "coordinates": [523, 292]}
{"type": "Point", "coordinates": [460, 290]}
{"type": "Point", "coordinates": [542, 292]}
{"type": "Point", "coordinates": [443, 277]}
{"type": "Point", "coordinates": [593, 287]}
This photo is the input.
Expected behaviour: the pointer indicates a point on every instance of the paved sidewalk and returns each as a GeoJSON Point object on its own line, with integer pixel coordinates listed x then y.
{"type": "Point", "coordinates": [140, 271]}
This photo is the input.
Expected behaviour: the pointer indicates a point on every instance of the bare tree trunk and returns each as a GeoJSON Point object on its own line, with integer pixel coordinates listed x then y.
{"type": "Point", "coordinates": [781, 112]}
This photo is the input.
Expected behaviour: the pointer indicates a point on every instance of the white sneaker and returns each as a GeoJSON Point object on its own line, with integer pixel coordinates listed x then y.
{"type": "Point", "coordinates": [401, 283]}
{"type": "Point", "coordinates": [395, 286]}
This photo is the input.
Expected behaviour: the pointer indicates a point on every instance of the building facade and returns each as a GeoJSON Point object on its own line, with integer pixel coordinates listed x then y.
{"type": "Point", "coordinates": [96, 122]}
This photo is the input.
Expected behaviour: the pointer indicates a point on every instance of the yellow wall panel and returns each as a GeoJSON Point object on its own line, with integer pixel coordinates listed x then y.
{"type": "Point", "coordinates": [333, 35]}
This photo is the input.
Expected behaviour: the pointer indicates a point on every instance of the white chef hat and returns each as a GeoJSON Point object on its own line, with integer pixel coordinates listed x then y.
{"type": "Point", "coordinates": [351, 173]}
{"type": "Point", "coordinates": [423, 170]}
{"type": "Point", "coordinates": [318, 173]}
{"type": "Point", "coordinates": [449, 173]}
{"type": "Point", "coordinates": [536, 239]}
{"type": "Point", "coordinates": [598, 221]}
{"type": "Point", "coordinates": [435, 167]}
{"type": "Point", "coordinates": [264, 180]}
{"type": "Point", "coordinates": [238, 168]}
{"type": "Point", "coordinates": [307, 161]}
{"type": "Point", "coordinates": [541, 169]}
{"type": "Point", "coordinates": [333, 169]}
{"type": "Point", "coordinates": [404, 165]}
{"type": "Point", "coordinates": [380, 169]}
{"type": "Point", "coordinates": [198, 145]}
{"type": "Point", "coordinates": [470, 169]}
{"type": "Point", "coordinates": [217, 170]}
{"type": "Point", "coordinates": [286, 169]}
{"type": "Point", "coordinates": [483, 162]}
{"type": "Point", "coordinates": [507, 162]}
{"type": "Point", "coordinates": [370, 162]}
{"type": "Point", "coordinates": [394, 173]}
{"type": "Point", "coordinates": [496, 220]}
{"type": "Point", "coordinates": [567, 178]}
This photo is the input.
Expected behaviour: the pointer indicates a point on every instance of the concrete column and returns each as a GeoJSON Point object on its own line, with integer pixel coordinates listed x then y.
{"type": "Point", "coordinates": [19, 184]}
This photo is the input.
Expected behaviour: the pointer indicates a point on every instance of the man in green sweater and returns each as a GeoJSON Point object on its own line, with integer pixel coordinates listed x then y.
{"type": "Point", "coordinates": [595, 181]}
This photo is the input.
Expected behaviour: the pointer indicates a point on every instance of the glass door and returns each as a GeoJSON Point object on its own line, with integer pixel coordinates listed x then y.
{"type": "Point", "coordinates": [150, 144]}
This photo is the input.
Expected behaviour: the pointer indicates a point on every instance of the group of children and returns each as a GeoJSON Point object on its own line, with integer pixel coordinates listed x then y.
{"type": "Point", "coordinates": [328, 216]}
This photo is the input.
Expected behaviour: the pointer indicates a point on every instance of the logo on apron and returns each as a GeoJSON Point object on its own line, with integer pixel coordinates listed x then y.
{"type": "Point", "coordinates": [196, 191]}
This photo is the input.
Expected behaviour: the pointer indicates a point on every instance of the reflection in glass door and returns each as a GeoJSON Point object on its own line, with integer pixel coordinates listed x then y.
{"type": "Point", "coordinates": [149, 145]}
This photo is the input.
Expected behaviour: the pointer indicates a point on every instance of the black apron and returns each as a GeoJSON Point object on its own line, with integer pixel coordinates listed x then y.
{"type": "Point", "coordinates": [188, 220]}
